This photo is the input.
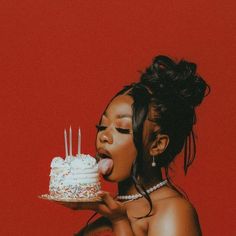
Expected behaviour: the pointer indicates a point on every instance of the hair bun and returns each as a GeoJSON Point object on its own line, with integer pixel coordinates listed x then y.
{"type": "Point", "coordinates": [167, 78]}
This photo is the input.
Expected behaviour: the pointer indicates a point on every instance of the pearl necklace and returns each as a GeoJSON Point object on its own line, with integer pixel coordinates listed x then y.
{"type": "Point", "coordinates": [138, 195]}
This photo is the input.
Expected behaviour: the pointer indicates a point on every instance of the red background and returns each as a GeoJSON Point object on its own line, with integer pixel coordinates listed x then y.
{"type": "Point", "coordinates": [61, 62]}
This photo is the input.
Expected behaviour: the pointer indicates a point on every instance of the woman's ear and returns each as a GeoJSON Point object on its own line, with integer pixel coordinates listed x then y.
{"type": "Point", "coordinates": [159, 144]}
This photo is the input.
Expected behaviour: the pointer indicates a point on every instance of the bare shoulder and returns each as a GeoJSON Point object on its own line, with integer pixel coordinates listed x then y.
{"type": "Point", "coordinates": [98, 226]}
{"type": "Point", "coordinates": [175, 216]}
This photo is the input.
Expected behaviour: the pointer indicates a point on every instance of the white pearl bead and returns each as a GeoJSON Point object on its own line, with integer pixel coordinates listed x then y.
{"type": "Point", "coordinates": [138, 195]}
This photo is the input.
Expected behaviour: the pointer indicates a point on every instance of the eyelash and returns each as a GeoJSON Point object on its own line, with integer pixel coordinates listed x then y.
{"type": "Point", "coordinates": [123, 131]}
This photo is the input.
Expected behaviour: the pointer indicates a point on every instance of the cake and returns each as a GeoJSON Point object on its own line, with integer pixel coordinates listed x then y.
{"type": "Point", "coordinates": [74, 177]}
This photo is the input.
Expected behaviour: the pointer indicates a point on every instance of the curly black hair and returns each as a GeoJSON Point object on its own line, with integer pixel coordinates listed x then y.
{"type": "Point", "coordinates": [174, 90]}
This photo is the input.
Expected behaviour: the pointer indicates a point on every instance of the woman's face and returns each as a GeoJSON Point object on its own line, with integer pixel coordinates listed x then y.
{"type": "Point", "coordinates": [115, 137]}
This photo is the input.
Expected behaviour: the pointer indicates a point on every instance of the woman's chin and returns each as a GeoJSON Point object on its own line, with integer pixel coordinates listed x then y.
{"type": "Point", "coordinates": [110, 178]}
{"type": "Point", "coordinates": [114, 178]}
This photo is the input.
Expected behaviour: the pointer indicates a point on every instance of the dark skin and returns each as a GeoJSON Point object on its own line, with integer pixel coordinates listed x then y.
{"type": "Point", "coordinates": [171, 214]}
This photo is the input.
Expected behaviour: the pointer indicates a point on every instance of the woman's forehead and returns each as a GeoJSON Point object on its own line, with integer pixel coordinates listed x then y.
{"type": "Point", "coordinates": [120, 107]}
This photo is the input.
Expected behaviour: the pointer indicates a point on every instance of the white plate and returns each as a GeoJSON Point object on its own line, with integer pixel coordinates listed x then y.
{"type": "Point", "coordinates": [68, 200]}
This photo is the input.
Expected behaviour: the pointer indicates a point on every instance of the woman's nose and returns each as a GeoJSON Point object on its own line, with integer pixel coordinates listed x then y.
{"type": "Point", "coordinates": [106, 137]}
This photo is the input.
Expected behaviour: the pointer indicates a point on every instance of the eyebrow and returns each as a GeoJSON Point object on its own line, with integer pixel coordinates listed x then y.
{"type": "Point", "coordinates": [120, 116]}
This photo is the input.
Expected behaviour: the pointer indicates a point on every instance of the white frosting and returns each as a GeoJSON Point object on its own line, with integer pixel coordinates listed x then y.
{"type": "Point", "coordinates": [57, 162]}
{"type": "Point", "coordinates": [72, 172]}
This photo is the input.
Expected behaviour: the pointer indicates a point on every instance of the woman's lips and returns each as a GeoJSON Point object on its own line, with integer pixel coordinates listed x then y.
{"type": "Point", "coordinates": [103, 152]}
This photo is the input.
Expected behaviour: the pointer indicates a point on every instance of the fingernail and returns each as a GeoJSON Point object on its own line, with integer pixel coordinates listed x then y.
{"type": "Point", "coordinates": [100, 192]}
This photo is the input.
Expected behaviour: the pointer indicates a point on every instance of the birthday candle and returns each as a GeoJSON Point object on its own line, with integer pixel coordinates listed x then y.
{"type": "Point", "coordinates": [70, 142]}
{"type": "Point", "coordinates": [79, 142]}
{"type": "Point", "coordinates": [65, 138]}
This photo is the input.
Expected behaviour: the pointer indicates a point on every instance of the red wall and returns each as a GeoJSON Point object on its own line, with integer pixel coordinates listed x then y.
{"type": "Point", "coordinates": [61, 62]}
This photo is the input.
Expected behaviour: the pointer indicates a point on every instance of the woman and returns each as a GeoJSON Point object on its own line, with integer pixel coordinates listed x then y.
{"type": "Point", "coordinates": [140, 133]}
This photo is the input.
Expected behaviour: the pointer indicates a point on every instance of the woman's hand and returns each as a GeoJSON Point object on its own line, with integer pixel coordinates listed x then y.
{"type": "Point", "coordinates": [115, 211]}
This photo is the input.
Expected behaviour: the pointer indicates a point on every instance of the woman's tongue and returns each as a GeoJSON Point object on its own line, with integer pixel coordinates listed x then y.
{"type": "Point", "coordinates": [105, 166]}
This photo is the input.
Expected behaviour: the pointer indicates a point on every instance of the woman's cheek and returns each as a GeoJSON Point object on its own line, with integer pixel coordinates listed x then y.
{"type": "Point", "coordinates": [126, 158]}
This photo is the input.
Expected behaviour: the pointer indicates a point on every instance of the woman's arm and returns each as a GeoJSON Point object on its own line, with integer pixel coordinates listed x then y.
{"type": "Point", "coordinates": [122, 228]}
{"type": "Point", "coordinates": [116, 212]}
{"type": "Point", "coordinates": [98, 228]}
{"type": "Point", "coordinates": [101, 226]}
{"type": "Point", "coordinates": [179, 218]}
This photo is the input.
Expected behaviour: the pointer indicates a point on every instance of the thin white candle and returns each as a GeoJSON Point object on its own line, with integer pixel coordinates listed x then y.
{"type": "Point", "coordinates": [70, 141]}
{"type": "Point", "coordinates": [65, 138]}
{"type": "Point", "coordinates": [79, 142]}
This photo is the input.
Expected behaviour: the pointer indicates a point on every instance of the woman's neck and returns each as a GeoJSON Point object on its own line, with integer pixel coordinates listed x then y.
{"type": "Point", "coordinates": [127, 186]}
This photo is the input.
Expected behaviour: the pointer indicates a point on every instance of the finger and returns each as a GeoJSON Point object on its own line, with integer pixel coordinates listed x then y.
{"type": "Point", "coordinates": [109, 201]}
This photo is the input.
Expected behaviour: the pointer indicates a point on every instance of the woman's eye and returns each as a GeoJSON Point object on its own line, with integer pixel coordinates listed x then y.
{"type": "Point", "coordinates": [123, 131]}
{"type": "Point", "coordinates": [100, 127]}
